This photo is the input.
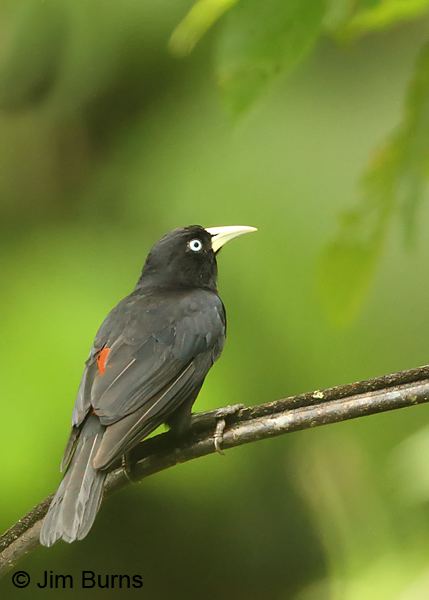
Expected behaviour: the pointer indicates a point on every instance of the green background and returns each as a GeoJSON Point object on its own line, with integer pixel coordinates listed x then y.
{"type": "Point", "coordinates": [108, 139]}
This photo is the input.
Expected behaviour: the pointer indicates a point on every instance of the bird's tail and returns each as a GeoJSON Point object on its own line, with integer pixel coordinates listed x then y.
{"type": "Point", "coordinates": [75, 505]}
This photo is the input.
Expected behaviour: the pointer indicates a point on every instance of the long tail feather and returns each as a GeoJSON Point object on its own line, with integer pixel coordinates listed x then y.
{"type": "Point", "coordinates": [76, 503]}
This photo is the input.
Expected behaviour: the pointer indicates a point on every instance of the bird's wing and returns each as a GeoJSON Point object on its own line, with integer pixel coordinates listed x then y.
{"type": "Point", "coordinates": [151, 354]}
{"type": "Point", "coordinates": [122, 435]}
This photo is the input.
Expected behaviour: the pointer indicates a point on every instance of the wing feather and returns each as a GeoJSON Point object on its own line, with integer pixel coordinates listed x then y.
{"type": "Point", "coordinates": [161, 348]}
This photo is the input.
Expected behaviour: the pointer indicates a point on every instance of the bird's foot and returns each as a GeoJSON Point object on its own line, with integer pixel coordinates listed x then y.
{"type": "Point", "coordinates": [221, 415]}
{"type": "Point", "coordinates": [128, 466]}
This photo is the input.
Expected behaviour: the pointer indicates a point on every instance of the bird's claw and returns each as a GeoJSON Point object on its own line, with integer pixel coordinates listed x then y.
{"type": "Point", "coordinates": [127, 466]}
{"type": "Point", "coordinates": [221, 415]}
{"type": "Point", "coordinates": [218, 436]}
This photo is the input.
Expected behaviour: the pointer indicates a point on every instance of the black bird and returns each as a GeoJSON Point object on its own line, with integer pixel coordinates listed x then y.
{"type": "Point", "coordinates": [147, 364]}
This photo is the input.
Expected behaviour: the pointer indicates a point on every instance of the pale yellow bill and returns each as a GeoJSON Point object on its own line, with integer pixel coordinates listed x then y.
{"type": "Point", "coordinates": [222, 235]}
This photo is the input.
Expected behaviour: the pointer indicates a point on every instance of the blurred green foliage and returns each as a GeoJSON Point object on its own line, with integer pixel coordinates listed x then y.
{"type": "Point", "coordinates": [379, 14]}
{"type": "Point", "coordinates": [261, 40]}
{"type": "Point", "coordinates": [395, 182]}
{"type": "Point", "coordinates": [115, 126]}
{"type": "Point", "coordinates": [196, 23]}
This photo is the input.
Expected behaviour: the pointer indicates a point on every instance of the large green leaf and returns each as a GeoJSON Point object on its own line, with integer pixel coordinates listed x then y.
{"type": "Point", "coordinates": [261, 40]}
{"type": "Point", "coordinates": [395, 182]}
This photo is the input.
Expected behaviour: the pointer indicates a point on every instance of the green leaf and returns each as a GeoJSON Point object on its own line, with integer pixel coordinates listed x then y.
{"type": "Point", "coordinates": [383, 14]}
{"type": "Point", "coordinates": [261, 40]}
{"type": "Point", "coordinates": [196, 23]}
{"type": "Point", "coordinates": [395, 183]}
{"type": "Point", "coordinates": [348, 263]}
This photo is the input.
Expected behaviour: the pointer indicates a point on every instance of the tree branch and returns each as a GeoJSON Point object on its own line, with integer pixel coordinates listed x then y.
{"type": "Point", "coordinates": [246, 425]}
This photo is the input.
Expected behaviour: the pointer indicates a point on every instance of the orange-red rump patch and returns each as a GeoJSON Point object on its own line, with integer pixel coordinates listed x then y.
{"type": "Point", "coordinates": [101, 360]}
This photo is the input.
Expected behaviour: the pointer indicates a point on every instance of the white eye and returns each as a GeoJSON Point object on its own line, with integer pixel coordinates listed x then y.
{"type": "Point", "coordinates": [195, 245]}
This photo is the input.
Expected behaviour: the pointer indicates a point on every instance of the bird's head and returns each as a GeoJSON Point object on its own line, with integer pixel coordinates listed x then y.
{"type": "Point", "coordinates": [186, 257]}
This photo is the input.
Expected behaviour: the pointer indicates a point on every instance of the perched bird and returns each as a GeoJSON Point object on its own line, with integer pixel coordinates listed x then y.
{"type": "Point", "coordinates": [147, 364]}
